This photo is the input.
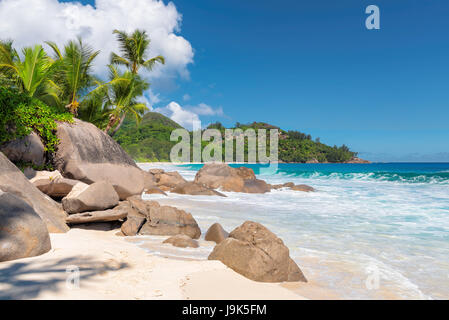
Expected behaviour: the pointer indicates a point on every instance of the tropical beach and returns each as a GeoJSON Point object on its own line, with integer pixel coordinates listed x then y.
{"type": "Point", "coordinates": [144, 156]}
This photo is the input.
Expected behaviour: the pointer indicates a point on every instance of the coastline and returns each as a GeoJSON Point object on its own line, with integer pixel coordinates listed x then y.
{"type": "Point", "coordinates": [117, 269]}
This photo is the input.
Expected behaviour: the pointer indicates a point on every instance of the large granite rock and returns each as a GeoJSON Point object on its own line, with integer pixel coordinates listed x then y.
{"type": "Point", "coordinates": [53, 183]}
{"type": "Point", "coordinates": [95, 197]}
{"type": "Point", "coordinates": [87, 154]}
{"type": "Point", "coordinates": [22, 232]}
{"type": "Point", "coordinates": [167, 221]}
{"type": "Point", "coordinates": [216, 233]}
{"type": "Point", "coordinates": [137, 213]}
{"type": "Point", "coordinates": [258, 254]}
{"type": "Point", "coordinates": [182, 241]}
{"type": "Point", "coordinates": [195, 189]}
{"type": "Point", "coordinates": [29, 149]}
{"type": "Point", "coordinates": [230, 179]}
{"type": "Point", "coordinates": [12, 180]}
{"type": "Point", "coordinates": [133, 223]}
{"type": "Point", "coordinates": [166, 181]}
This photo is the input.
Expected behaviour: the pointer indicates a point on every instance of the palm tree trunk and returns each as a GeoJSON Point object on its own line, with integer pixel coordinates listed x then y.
{"type": "Point", "coordinates": [111, 122]}
{"type": "Point", "coordinates": [119, 125]}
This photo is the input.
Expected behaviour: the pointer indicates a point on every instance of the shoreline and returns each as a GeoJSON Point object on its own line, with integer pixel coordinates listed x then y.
{"type": "Point", "coordinates": [117, 269]}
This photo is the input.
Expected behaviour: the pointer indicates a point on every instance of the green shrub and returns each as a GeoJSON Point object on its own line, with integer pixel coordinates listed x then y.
{"type": "Point", "coordinates": [20, 115]}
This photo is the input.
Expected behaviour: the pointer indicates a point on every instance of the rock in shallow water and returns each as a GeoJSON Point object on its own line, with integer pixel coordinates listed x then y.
{"type": "Point", "coordinates": [303, 188]}
{"type": "Point", "coordinates": [166, 181]}
{"type": "Point", "coordinates": [223, 176]}
{"type": "Point", "coordinates": [166, 220]}
{"type": "Point", "coordinates": [195, 189]}
{"type": "Point", "coordinates": [182, 241]}
{"type": "Point", "coordinates": [216, 233]}
{"type": "Point", "coordinates": [22, 232]}
{"type": "Point", "coordinates": [255, 252]}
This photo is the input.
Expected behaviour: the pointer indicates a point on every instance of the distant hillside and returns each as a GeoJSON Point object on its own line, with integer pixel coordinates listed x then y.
{"type": "Point", "coordinates": [150, 141]}
{"type": "Point", "coordinates": [295, 146]}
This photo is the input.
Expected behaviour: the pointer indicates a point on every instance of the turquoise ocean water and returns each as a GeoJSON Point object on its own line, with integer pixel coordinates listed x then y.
{"type": "Point", "coordinates": [370, 231]}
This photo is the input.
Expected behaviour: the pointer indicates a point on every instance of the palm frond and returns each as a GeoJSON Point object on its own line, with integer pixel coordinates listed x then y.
{"type": "Point", "coordinates": [149, 64]}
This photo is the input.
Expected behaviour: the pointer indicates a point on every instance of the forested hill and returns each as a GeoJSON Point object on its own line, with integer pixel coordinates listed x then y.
{"type": "Point", "coordinates": [150, 141]}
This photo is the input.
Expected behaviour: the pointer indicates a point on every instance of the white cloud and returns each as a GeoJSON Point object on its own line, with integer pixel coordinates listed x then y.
{"type": "Point", "coordinates": [180, 115]}
{"type": "Point", "coordinates": [28, 22]}
{"type": "Point", "coordinates": [186, 97]}
{"type": "Point", "coordinates": [186, 116]}
{"type": "Point", "coordinates": [206, 110]}
{"type": "Point", "coordinates": [154, 98]}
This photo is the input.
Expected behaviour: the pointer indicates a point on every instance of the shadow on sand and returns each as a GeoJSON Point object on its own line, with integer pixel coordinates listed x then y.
{"type": "Point", "coordinates": [27, 279]}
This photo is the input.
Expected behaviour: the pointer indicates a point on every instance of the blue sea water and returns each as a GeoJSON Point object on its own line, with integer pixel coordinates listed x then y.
{"type": "Point", "coordinates": [370, 231]}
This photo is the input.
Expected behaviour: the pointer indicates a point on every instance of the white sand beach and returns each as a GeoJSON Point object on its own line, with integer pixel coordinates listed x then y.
{"type": "Point", "coordinates": [112, 268]}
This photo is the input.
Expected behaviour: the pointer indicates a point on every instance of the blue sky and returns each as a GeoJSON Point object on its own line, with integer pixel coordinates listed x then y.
{"type": "Point", "coordinates": [314, 67]}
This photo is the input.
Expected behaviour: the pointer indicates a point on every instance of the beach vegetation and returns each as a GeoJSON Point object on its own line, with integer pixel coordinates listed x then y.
{"type": "Point", "coordinates": [21, 114]}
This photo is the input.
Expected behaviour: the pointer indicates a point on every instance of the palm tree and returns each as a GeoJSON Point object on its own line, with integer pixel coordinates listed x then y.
{"type": "Point", "coordinates": [94, 109]}
{"type": "Point", "coordinates": [30, 72]}
{"type": "Point", "coordinates": [74, 71]}
{"type": "Point", "coordinates": [134, 48]}
{"type": "Point", "coordinates": [121, 97]}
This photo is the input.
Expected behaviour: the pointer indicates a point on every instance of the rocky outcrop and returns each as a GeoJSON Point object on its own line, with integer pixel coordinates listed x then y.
{"type": "Point", "coordinates": [195, 189]}
{"type": "Point", "coordinates": [165, 220]}
{"type": "Point", "coordinates": [216, 233]}
{"type": "Point", "coordinates": [22, 232]}
{"type": "Point", "coordinates": [154, 190]}
{"type": "Point", "coordinates": [137, 214]}
{"type": "Point", "coordinates": [117, 214]}
{"type": "Point", "coordinates": [53, 184]}
{"type": "Point", "coordinates": [95, 197]}
{"type": "Point", "coordinates": [258, 254]}
{"type": "Point", "coordinates": [222, 176]}
{"type": "Point", "coordinates": [149, 218]}
{"type": "Point", "coordinates": [255, 186]}
{"type": "Point", "coordinates": [280, 186]}
{"type": "Point", "coordinates": [12, 180]}
{"type": "Point", "coordinates": [156, 171]}
{"type": "Point", "coordinates": [133, 223]}
{"type": "Point", "coordinates": [166, 181]}
{"type": "Point", "coordinates": [29, 149]}
{"type": "Point", "coordinates": [182, 241]}
{"type": "Point", "coordinates": [303, 188]}
{"type": "Point", "coordinates": [87, 154]}
{"type": "Point", "coordinates": [357, 160]}
{"type": "Point", "coordinates": [142, 206]}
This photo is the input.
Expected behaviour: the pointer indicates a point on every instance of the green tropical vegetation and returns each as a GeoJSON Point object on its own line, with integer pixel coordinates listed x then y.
{"type": "Point", "coordinates": [73, 72]}
{"type": "Point", "coordinates": [134, 49]}
{"type": "Point", "coordinates": [37, 89]}
{"type": "Point", "coordinates": [150, 141]}
{"type": "Point", "coordinates": [22, 114]}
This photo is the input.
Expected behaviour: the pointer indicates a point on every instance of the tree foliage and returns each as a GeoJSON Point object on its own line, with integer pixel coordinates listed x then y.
{"type": "Point", "coordinates": [21, 114]}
